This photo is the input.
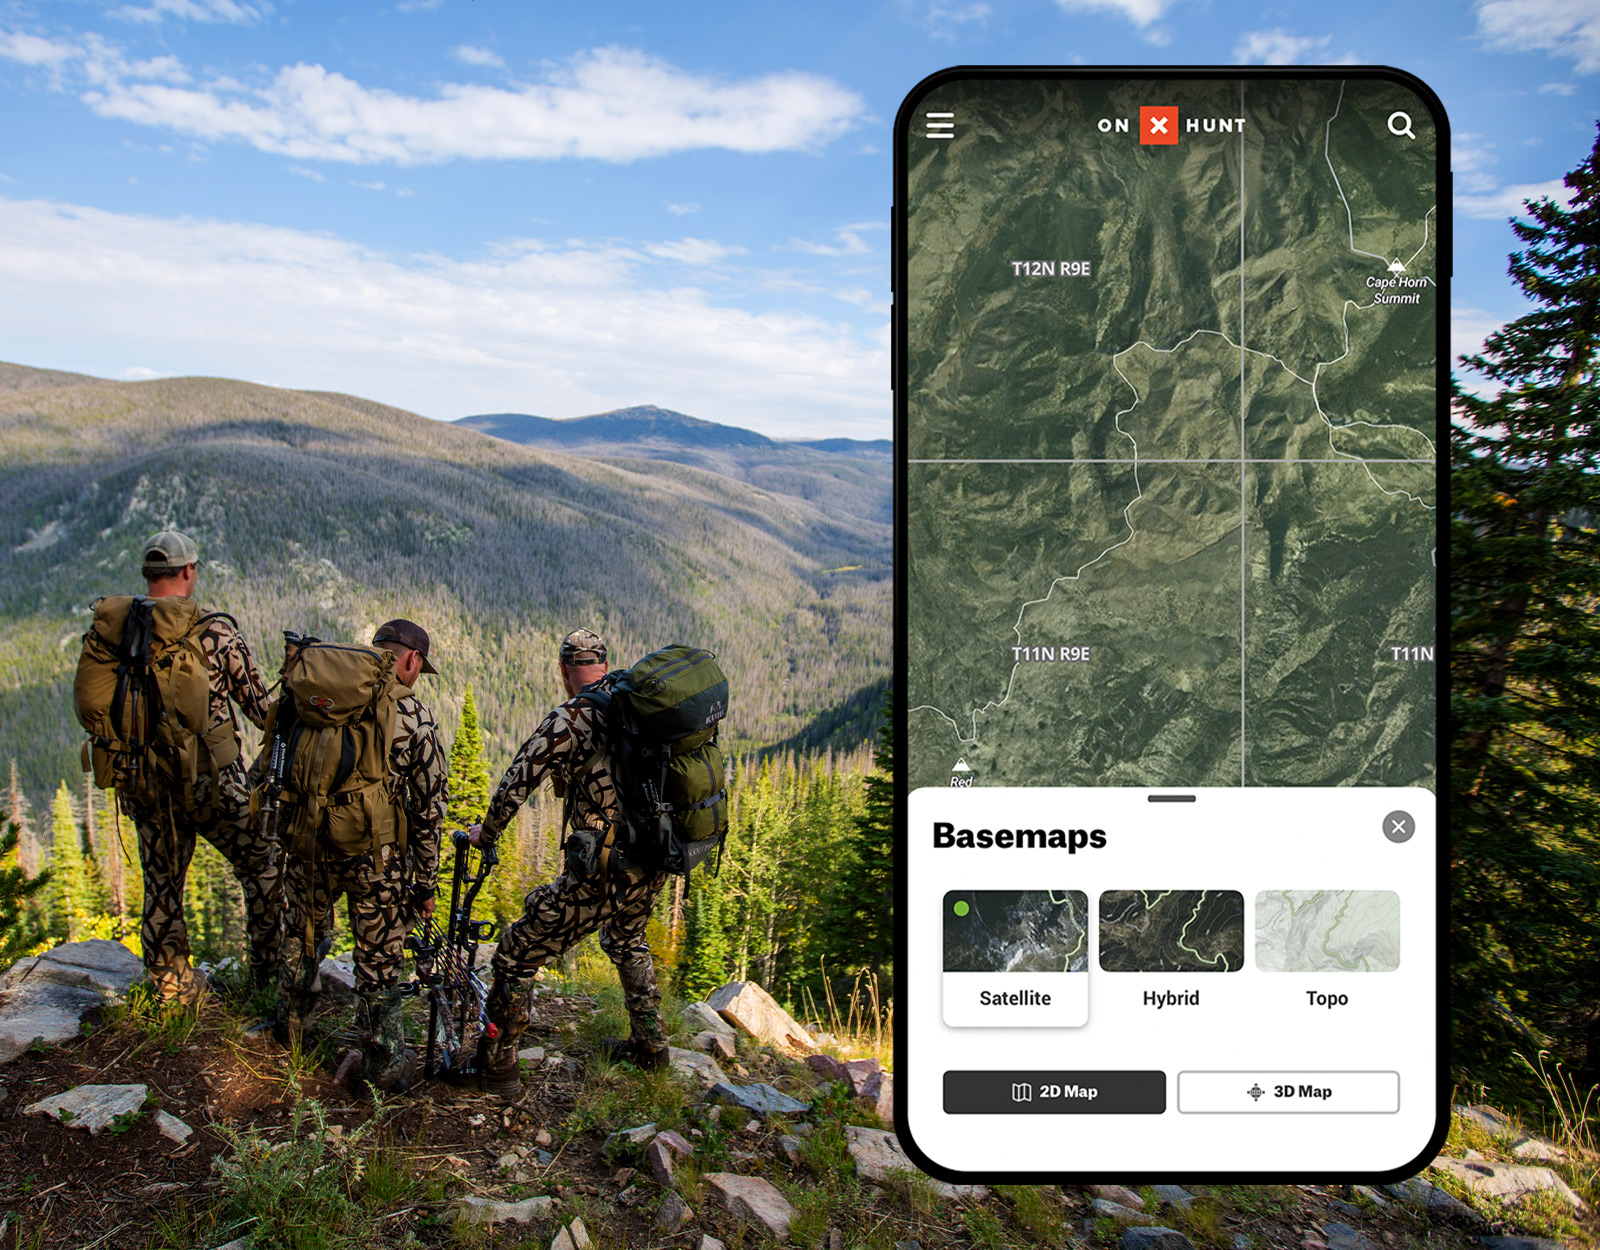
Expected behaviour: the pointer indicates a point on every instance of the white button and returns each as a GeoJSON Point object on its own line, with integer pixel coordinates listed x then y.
{"type": "Point", "coordinates": [1266, 1093]}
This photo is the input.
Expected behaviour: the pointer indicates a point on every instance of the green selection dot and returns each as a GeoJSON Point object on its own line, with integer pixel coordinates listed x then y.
{"type": "Point", "coordinates": [961, 908]}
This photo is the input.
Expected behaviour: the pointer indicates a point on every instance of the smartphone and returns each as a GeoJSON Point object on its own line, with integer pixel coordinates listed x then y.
{"type": "Point", "coordinates": [1170, 377]}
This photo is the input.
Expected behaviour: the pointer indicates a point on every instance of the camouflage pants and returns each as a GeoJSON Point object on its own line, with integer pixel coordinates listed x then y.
{"type": "Point", "coordinates": [166, 845]}
{"type": "Point", "coordinates": [375, 899]}
{"type": "Point", "coordinates": [554, 918]}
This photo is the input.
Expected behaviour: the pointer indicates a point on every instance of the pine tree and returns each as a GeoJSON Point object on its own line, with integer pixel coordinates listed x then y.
{"type": "Point", "coordinates": [17, 889]}
{"type": "Point", "coordinates": [704, 965]}
{"type": "Point", "coordinates": [469, 769]}
{"type": "Point", "coordinates": [70, 902]}
{"type": "Point", "coordinates": [859, 916]}
{"type": "Point", "coordinates": [1525, 643]}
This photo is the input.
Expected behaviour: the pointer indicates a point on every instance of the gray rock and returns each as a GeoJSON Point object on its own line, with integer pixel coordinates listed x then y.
{"type": "Point", "coordinates": [91, 1107]}
{"type": "Point", "coordinates": [1241, 1241]}
{"type": "Point", "coordinates": [835, 1239]}
{"type": "Point", "coordinates": [508, 1161]}
{"type": "Point", "coordinates": [1106, 1208]}
{"type": "Point", "coordinates": [1371, 1195]}
{"type": "Point", "coordinates": [544, 1157]}
{"type": "Point", "coordinates": [750, 1008]}
{"type": "Point", "coordinates": [1523, 1243]}
{"type": "Point", "coordinates": [673, 1214]}
{"type": "Point", "coordinates": [717, 1045]}
{"type": "Point", "coordinates": [1346, 1208]}
{"type": "Point", "coordinates": [1538, 1148]}
{"type": "Point", "coordinates": [758, 1099]}
{"type": "Point", "coordinates": [1154, 1239]}
{"type": "Point", "coordinates": [628, 1139]}
{"type": "Point", "coordinates": [629, 1196]}
{"type": "Point", "coordinates": [876, 1154]}
{"type": "Point", "coordinates": [1344, 1237]}
{"type": "Point", "coordinates": [702, 1069]}
{"type": "Point", "coordinates": [660, 1160]}
{"type": "Point", "coordinates": [337, 976]}
{"type": "Point", "coordinates": [1509, 1181]}
{"type": "Point", "coordinates": [676, 1142]}
{"type": "Point", "coordinates": [912, 1244]}
{"type": "Point", "coordinates": [531, 1054]}
{"type": "Point", "coordinates": [753, 1199]}
{"type": "Point", "coordinates": [789, 1144]}
{"type": "Point", "coordinates": [1421, 1193]}
{"type": "Point", "coordinates": [45, 997]}
{"type": "Point", "coordinates": [238, 1243]}
{"type": "Point", "coordinates": [1491, 1119]}
{"type": "Point", "coordinates": [573, 1237]}
{"type": "Point", "coordinates": [470, 1210]}
{"type": "Point", "coordinates": [704, 1019]}
{"type": "Point", "coordinates": [707, 1242]}
{"type": "Point", "coordinates": [172, 1128]}
{"type": "Point", "coordinates": [885, 1105]}
{"type": "Point", "coordinates": [1119, 1194]}
{"type": "Point", "coordinates": [1173, 1196]}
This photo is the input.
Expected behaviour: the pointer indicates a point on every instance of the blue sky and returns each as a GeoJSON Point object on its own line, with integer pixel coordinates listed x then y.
{"type": "Point", "coordinates": [461, 206]}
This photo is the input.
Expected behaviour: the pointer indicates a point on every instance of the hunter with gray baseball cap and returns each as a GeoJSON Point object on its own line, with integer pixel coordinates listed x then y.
{"type": "Point", "coordinates": [168, 552]}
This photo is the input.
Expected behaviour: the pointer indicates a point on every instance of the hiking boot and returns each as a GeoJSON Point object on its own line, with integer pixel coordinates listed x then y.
{"type": "Point", "coordinates": [628, 1050]}
{"type": "Point", "coordinates": [507, 1011]}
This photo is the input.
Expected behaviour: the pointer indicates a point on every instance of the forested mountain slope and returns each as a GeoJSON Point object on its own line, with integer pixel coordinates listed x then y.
{"type": "Point", "coordinates": [329, 513]}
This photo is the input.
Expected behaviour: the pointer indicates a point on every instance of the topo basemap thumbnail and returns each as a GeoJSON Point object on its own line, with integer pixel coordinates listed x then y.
{"type": "Point", "coordinates": [1172, 522]}
{"type": "Point", "coordinates": [1327, 930]}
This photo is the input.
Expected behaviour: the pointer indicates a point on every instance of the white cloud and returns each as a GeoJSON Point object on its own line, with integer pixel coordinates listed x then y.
{"type": "Point", "coordinates": [680, 210]}
{"type": "Point", "coordinates": [1563, 28]}
{"type": "Point", "coordinates": [694, 251]}
{"type": "Point", "coordinates": [1471, 155]}
{"type": "Point", "coordinates": [579, 326]}
{"type": "Point", "coordinates": [943, 20]}
{"type": "Point", "coordinates": [1508, 201]}
{"type": "Point", "coordinates": [1281, 47]}
{"type": "Point", "coordinates": [302, 172]}
{"type": "Point", "coordinates": [367, 186]}
{"type": "Point", "coordinates": [468, 55]}
{"type": "Point", "coordinates": [1558, 88]}
{"type": "Point", "coordinates": [34, 50]}
{"type": "Point", "coordinates": [850, 241]}
{"type": "Point", "coordinates": [138, 373]}
{"type": "Point", "coordinates": [195, 11]}
{"type": "Point", "coordinates": [610, 104]}
{"type": "Point", "coordinates": [418, 6]}
{"type": "Point", "coordinates": [1141, 13]}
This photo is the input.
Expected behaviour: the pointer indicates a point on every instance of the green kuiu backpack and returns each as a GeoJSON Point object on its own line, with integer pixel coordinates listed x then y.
{"type": "Point", "coordinates": [143, 695]}
{"type": "Point", "coordinates": [671, 780]}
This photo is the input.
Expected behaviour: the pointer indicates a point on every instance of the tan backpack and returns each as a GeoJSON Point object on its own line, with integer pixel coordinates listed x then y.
{"type": "Point", "coordinates": [326, 758]}
{"type": "Point", "coordinates": [143, 694]}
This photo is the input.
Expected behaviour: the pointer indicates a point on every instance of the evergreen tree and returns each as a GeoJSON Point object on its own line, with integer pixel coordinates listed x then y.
{"type": "Point", "coordinates": [1525, 643]}
{"type": "Point", "coordinates": [859, 916]}
{"type": "Point", "coordinates": [70, 901]}
{"type": "Point", "coordinates": [469, 769]}
{"type": "Point", "coordinates": [17, 890]}
{"type": "Point", "coordinates": [704, 966]}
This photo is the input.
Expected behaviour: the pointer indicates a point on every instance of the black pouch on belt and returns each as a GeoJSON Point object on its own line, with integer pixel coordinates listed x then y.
{"type": "Point", "coordinates": [583, 847]}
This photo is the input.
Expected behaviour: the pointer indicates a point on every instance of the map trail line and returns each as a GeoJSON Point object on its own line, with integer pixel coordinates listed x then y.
{"type": "Point", "coordinates": [1311, 382]}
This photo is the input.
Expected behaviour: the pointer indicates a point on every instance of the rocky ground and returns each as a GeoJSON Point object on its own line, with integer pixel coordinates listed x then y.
{"type": "Point", "coordinates": [214, 1136]}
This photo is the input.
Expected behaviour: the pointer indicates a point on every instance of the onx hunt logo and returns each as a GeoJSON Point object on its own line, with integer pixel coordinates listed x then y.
{"type": "Point", "coordinates": [1158, 124]}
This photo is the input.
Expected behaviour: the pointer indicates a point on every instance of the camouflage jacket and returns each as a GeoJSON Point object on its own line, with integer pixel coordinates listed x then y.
{"type": "Point", "coordinates": [570, 745]}
{"type": "Point", "coordinates": [418, 781]}
{"type": "Point", "coordinates": [234, 676]}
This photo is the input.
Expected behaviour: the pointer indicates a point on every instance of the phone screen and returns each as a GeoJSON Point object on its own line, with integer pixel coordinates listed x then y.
{"type": "Point", "coordinates": [1169, 395]}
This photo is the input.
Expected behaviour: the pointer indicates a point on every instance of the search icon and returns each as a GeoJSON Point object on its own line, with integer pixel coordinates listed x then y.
{"type": "Point", "coordinates": [1400, 124]}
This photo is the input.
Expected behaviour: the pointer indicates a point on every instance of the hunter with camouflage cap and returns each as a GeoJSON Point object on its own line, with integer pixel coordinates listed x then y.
{"type": "Point", "coordinates": [572, 747]}
{"type": "Point", "coordinates": [168, 809]}
{"type": "Point", "coordinates": [386, 886]}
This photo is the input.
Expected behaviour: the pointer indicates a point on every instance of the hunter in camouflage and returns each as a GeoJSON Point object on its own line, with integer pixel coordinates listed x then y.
{"type": "Point", "coordinates": [570, 746]}
{"type": "Point", "coordinates": [167, 832]}
{"type": "Point", "coordinates": [385, 890]}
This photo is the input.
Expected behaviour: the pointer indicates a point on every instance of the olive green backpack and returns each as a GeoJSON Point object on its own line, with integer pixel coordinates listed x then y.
{"type": "Point", "coordinates": [143, 694]}
{"type": "Point", "coordinates": [326, 756]}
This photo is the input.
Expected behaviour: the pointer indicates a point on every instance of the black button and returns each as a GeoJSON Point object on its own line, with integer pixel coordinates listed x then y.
{"type": "Point", "coordinates": [1055, 1093]}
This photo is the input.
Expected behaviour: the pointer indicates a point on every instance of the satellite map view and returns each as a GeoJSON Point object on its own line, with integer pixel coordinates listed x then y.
{"type": "Point", "coordinates": [1327, 930]}
{"type": "Point", "coordinates": [1171, 931]}
{"type": "Point", "coordinates": [1171, 431]}
{"type": "Point", "coordinates": [1016, 931]}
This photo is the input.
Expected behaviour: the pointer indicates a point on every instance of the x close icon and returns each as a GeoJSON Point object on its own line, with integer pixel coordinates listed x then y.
{"type": "Point", "coordinates": [1158, 125]}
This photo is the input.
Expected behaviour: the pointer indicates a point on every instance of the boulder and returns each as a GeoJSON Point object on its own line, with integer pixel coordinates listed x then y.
{"type": "Point", "coordinates": [701, 1069]}
{"type": "Point", "coordinates": [876, 1154]}
{"type": "Point", "coordinates": [758, 1099]}
{"type": "Point", "coordinates": [1154, 1239]}
{"type": "Point", "coordinates": [92, 1107]}
{"type": "Point", "coordinates": [717, 1045]}
{"type": "Point", "coordinates": [1423, 1193]}
{"type": "Point", "coordinates": [673, 1214]}
{"type": "Point", "coordinates": [754, 1011]}
{"type": "Point", "coordinates": [1174, 1196]}
{"type": "Point", "coordinates": [470, 1210]}
{"type": "Point", "coordinates": [1107, 1209]}
{"type": "Point", "coordinates": [1345, 1237]}
{"type": "Point", "coordinates": [1508, 1181]}
{"type": "Point", "coordinates": [1119, 1194]}
{"type": "Point", "coordinates": [45, 997]}
{"type": "Point", "coordinates": [885, 1103]}
{"type": "Point", "coordinates": [703, 1018]}
{"type": "Point", "coordinates": [754, 1199]}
